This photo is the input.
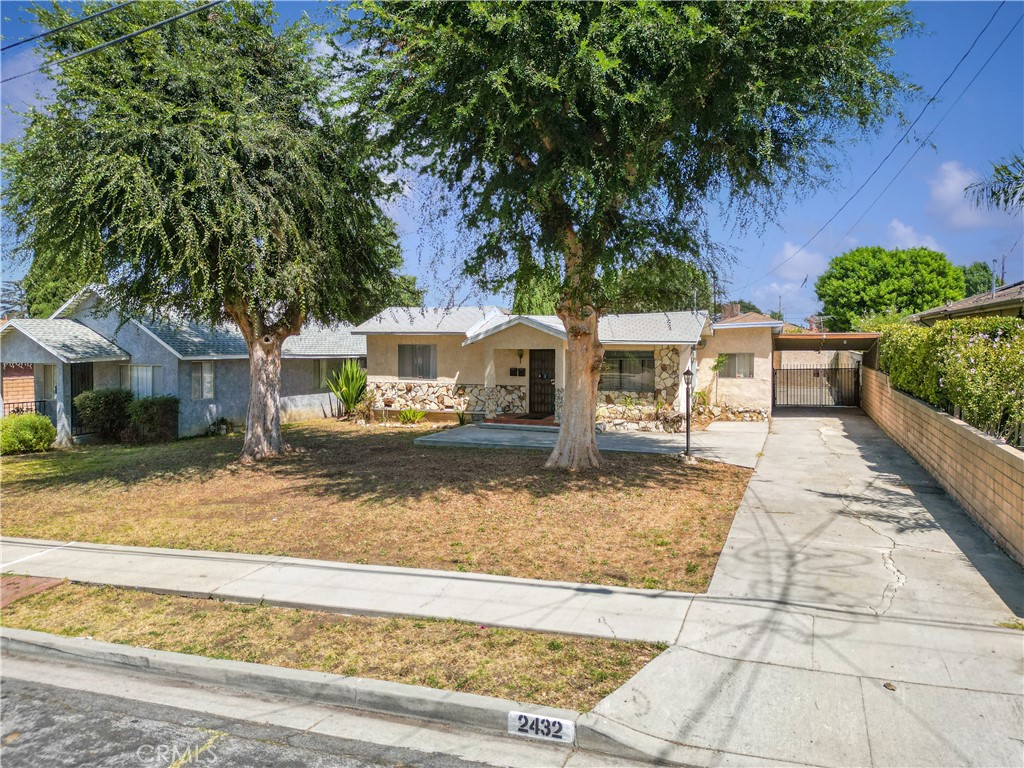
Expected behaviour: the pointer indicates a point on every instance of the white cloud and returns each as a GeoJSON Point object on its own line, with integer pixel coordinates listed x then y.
{"type": "Point", "coordinates": [793, 266]}
{"type": "Point", "coordinates": [905, 236]}
{"type": "Point", "coordinates": [950, 205]}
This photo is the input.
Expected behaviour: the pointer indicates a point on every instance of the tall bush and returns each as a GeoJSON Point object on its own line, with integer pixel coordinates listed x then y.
{"type": "Point", "coordinates": [975, 365]}
{"type": "Point", "coordinates": [154, 419]}
{"type": "Point", "coordinates": [105, 411]}
{"type": "Point", "coordinates": [26, 432]}
{"type": "Point", "coordinates": [348, 385]}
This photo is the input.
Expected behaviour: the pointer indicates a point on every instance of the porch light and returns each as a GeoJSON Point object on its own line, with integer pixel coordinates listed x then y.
{"type": "Point", "coordinates": [688, 380]}
{"type": "Point", "coordinates": [520, 353]}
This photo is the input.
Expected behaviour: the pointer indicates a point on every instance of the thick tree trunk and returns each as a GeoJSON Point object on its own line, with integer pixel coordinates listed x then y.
{"type": "Point", "coordinates": [577, 439]}
{"type": "Point", "coordinates": [263, 418]}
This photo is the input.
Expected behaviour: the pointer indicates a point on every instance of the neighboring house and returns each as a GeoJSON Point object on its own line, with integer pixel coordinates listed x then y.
{"type": "Point", "coordinates": [1005, 301]}
{"type": "Point", "coordinates": [745, 380]}
{"type": "Point", "coordinates": [488, 361]}
{"type": "Point", "coordinates": [207, 368]}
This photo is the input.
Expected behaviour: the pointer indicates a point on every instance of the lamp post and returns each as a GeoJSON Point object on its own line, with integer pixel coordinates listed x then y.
{"type": "Point", "coordinates": [688, 379]}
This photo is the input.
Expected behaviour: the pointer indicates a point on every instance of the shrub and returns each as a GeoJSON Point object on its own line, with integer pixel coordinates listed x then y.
{"type": "Point", "coordinates": [364, 411]}
{"type": "Point", "coordinates": [26, 432]}
{"type": "Point", "coordinates": [348, 385]}
{"type": "Point", "coordinates": [154, 419]}
{"type": "Point", "coordinates": [975, 365]}
{"type": "Point", "coordinates": [105, 410]}
{"type": "Point", "coordinates": [411, 416]}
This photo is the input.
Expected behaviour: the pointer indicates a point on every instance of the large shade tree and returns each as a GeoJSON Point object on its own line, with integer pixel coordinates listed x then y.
{"type": "Point", "coordinates": [200, 165]}
{"type": "Point", "coordinates": [592, 135]}
{"type": "Point", "coordinates": [872, 281]}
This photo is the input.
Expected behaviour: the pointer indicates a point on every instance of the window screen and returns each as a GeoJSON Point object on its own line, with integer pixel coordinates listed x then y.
{"type": "Point", "coordinates": [417, 361]}
{"type": "Point", "coordinates": [202, 381]}
{"type": "Point", "coordinates": [628, 372]}
{"type": "Point", "coordinates": [142, 380]}
{"type": "Point", "coordinates": [738, 366]}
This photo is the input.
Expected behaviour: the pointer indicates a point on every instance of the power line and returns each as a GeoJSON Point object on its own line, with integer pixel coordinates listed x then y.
{"type": "Point", "coordinates": [878, 167]}
{"type": "Point", "coordinates": [115, 41]}
{"type": "Point", "coordinates": [922, 142]}
{"type": "Point", "coordinates": [69, 25]}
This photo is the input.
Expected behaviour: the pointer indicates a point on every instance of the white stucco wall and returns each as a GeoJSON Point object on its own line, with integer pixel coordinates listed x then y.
{"type": "Point", "coordinates": [755, 392]}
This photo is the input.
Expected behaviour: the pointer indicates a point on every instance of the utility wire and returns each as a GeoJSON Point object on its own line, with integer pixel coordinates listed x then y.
{"type": "Point", "coordinates": [115, 41]}
{"type": "Point", "coordinates": [922, 142]}
{"type": "Point", "coordinates": [69, 25]}
{"type": "Point", "coordinates": [878, 167]}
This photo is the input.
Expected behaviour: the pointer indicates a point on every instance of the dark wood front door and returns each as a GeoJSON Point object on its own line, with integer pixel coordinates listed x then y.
{"type": "Point", "coordinates": [542, 382]}
{"type": "Point", "coordinates": [81, 381]}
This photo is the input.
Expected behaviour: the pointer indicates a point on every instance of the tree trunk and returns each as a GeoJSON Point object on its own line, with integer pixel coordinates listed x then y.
{"type": "Point", "coordinates": [577, 439]}
{"type": "Point", "coordinates": [263, 418]}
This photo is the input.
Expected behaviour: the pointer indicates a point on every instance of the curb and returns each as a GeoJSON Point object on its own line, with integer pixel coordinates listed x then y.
{"type": "Point", "coordinates": [452, 708]}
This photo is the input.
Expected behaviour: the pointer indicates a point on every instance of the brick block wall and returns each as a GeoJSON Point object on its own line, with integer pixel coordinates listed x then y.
{"type": "Point", "coordinates": [19, 384]}
{"type": "Point", "coordinates": [984, 475]}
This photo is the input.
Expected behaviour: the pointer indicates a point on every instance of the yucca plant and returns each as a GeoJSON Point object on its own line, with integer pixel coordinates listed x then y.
{"type": "Point", "coordinates": [348, 385]}
{"type": "Point", "coordinates": [411, 416]}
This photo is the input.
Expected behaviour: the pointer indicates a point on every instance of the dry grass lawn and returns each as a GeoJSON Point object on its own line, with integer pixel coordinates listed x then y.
{"type": "Point", "coordinates": [552, 670]}
{"type": "Point", "coordinates": [370, 496]}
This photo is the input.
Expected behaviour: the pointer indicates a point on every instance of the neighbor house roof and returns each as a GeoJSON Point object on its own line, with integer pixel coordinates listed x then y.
{"type": "Point", "coordinates": [193, 340]}
{"type": "Point", "coordinates": [429, 320]}
{"type": "Point", "coordinates": [1003, 301]}
{"type": "Point", "coordinates": [749, 320]}
{"type": "Point", "coordinates": [646, 328]}
{"type": "Point", "coordinates": [67, 340]}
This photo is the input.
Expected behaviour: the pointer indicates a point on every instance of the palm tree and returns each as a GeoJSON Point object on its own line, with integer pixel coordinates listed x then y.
{"type": "Point", "coordinates": [1004, 189]}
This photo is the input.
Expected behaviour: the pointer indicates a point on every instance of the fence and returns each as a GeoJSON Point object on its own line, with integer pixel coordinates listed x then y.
{"type": "Point", "coordinates": [28, 406]}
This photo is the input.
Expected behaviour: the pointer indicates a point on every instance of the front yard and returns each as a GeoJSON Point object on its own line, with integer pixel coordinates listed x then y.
{"type": "Point", "coordinates": [370, 496]}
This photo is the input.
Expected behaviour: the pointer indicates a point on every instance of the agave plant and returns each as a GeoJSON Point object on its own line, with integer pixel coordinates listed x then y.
{"type": "Point", "coordinates": [348, 385]}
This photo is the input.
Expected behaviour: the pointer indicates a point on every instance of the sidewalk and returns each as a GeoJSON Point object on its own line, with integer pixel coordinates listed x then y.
{"type": "Point", "coordinates": [373, 590]}
{"type": "Point", "coordinates": [852, 618]}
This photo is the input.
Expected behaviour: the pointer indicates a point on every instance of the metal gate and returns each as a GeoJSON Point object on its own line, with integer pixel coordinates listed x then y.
{"type": "Point", "coordinates": [814, 386]}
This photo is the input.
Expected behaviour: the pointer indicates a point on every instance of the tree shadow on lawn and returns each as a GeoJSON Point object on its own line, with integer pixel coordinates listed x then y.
{"type": "Point", "coordinates": [375, 466]}
{"type": "Point", "coordinates": [385, 467]}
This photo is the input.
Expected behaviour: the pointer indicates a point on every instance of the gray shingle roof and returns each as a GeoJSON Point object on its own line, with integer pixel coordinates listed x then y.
{"type": "Point", "coordinates": [431, 320]}
{"type": "Point", "coordinates": [646, 328]}
{"type": "Point", "coordinates": [1005, 297]}
{"type": "Point", "coordinates": [193, 340]}
{"type": "Point", "coordinates": [69, 340]}
{"type": "Point", "coordinates": [652, 328]}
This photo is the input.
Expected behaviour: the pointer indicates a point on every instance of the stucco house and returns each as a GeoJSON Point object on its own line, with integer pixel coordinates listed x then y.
{"type": "Point", "coordinates": [744, 382]}
{"type": "Point", "coordinates": [81, 348]}
{"type": "Point", "coordinates": [1003, 301]}
{"type": "Point", "coordinates": [491, 362]}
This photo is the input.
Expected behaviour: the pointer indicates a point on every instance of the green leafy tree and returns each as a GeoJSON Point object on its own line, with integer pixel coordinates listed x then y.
{"type": "Point", "coordinates": [978, 278]}
{"type": "Point", "coordinates": [53, 278]}
{"type": "Point", "coordinates": [13, 302]}
{"type": "Point", "coordinates": [1004, 189]}
{"type": "Point", "coordinates": [874, 281]}
{"type": "Point", "coordinates": [593, 135]}
{"type": "Point", "coordinates": [749, 306]}
{"type": "Point", "coordinates": [202, 168]}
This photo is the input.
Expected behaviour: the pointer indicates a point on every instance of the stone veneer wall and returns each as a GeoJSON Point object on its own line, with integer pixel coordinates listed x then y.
{"type": "Point", "coordinates": [666, 374]}
{"type": "Point", "coordinates": [430, 396]}
{"type": "Point", "coordinates": [983, 474]}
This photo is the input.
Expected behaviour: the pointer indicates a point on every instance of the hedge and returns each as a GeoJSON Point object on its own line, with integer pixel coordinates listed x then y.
{"type": "Point", "coordinates": [26, 432]}
{"type": "Point", "coordinates": [105, 410]}
{"type": "Point", "coordinates": [974, 366]}
{"type": "Point", "coordinates": [153, 419]}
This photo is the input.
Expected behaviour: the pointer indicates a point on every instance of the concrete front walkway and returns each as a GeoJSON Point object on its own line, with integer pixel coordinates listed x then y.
{"type": "Point", "coordinates": [852, 620]}
{"type": "Point", "coordinates": [733, 442]}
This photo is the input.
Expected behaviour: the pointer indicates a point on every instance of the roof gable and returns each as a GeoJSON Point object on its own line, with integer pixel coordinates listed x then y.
{"type": "Point", "coordinates": [67, 340]}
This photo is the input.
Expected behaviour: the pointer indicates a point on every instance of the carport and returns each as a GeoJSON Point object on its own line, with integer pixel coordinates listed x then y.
{"type": "Point", "coordinates": [835, 384]}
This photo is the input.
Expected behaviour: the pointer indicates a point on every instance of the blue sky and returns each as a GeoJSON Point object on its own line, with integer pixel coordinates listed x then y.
{"type": "Point", "coordinates": [923, 206]}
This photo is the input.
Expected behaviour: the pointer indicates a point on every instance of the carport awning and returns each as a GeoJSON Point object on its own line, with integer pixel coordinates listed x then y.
{"type": "Point", "coordinates": [67, 340]}
{"type": "Point", "coordinates": [815, 342]}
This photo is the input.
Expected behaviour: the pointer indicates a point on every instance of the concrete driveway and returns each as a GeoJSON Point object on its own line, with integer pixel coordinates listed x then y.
{"type": "Point", "coordinates": [853, 619]}
{"type": "Point", "coordinates": [735, 442]}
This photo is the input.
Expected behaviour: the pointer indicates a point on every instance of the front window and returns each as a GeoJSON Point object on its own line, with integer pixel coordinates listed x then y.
{"type": "Point", "coordinates": [142, 380]}
{"type": "Point", "coordinates": [627, 372]}
{"type": "Point", "coordinates": [738, 366]}
{"type": "Point", "coordinates": [202, 381]}
{"type": "Point", "coordinates": [417, 361]}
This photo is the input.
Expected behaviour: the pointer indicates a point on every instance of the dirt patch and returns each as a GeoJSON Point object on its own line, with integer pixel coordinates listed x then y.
{"type": "Point", "coordinates": [371, 496]}
{"type": "Point", "coordinates": [16, 587]}
{"type": "Point", "coordinates": [545, 669]}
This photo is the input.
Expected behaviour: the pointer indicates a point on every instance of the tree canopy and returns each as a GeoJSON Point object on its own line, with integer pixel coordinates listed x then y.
{"type": "Point", "coordinates": [871, 281]}
{"type": "Point", "coordinates": [594, 135]}
{"type": "Point", "coordinates": [978, 278]}
{"type": "Point", "coordinates": [201, 168]}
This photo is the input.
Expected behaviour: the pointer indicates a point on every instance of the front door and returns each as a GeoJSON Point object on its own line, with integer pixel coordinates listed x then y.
{"type": "Point", "coordinates": [542, 382]}
{"type": "Point", "coordinates": [81, 381]}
